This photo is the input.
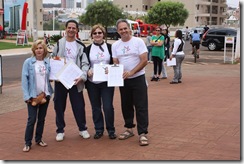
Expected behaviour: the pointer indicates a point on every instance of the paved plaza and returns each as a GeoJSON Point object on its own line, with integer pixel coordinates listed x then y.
{"type": "Point", "coordinates": [199, 119]}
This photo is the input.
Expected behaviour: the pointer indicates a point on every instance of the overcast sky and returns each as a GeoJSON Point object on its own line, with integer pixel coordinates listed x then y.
{"type": "Point", "coordinates": [232, 3]}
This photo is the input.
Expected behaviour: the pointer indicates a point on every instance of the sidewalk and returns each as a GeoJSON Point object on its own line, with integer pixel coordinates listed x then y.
{"type": "Point", "coordinates": [198, 119]}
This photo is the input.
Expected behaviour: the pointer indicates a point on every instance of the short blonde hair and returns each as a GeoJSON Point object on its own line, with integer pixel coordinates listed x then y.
{"type": "Point", "coordinates": [100, 27]}
{"type": "Point", "coordinates": [36, 43]}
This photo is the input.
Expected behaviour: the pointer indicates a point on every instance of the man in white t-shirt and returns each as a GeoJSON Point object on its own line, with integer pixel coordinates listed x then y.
{"type": "Point", "coordinates": [71, 49]}
{"type": "Point", "coordinates": [132, 52]}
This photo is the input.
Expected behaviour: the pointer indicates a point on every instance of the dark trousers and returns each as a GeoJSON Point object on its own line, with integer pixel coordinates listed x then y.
{"type": "Point", "coordinates": [134, 98]}
{"type": "Point", "coordinates": [167, 52]}
{"type": "Point", "coordinates": [157, 65]}
{"type": "Point", "coordinates": [77, 104]}
{"type": "Point", "coordinates": [101, 99]}
{"type": "Point", "coordinates": [35, 114]}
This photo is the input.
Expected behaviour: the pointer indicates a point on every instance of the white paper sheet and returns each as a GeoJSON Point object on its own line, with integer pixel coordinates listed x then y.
{"type": "Point", "coordinates": [99, 72]}
{"type": "Point", "coordinates": [56, 66]}
{"type": "Point", "coordinates": [171, 62]}
{"type": "Point", "coordinates": [115, 75]}
{"type": "Point", "coordinates": [68, 74]}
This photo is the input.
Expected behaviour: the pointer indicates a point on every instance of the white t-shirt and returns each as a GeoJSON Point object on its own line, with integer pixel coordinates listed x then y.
{"type": "Point", "coordinates": [40, 71]}
{"type": "Point", "coordinates": [70, 51]}
{"type": "Point", "coordinates": [128, 53]}
{"type": "Point", "coordinates": [97, 56]}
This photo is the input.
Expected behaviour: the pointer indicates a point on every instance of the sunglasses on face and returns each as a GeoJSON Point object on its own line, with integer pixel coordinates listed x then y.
{"type": "Point", "coordinates": [95, 33]}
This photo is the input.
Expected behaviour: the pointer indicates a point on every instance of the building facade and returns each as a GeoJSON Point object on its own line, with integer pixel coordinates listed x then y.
{"type": "Point", "coordinates": [201, 12]}
{"type": "Point", "coordinates": [34, 17]}
{"type": "Point", "coordinates": [1, 13]}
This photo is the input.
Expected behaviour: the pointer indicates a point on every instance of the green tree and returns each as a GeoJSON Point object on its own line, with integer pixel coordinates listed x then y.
{"type": "Point", "coordinates": [101, 12]}
{"type": "Point", "coordinates": [167, 13]}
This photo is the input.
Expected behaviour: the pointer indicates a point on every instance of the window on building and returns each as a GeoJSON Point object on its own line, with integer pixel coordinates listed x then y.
{"type": "Point", "coordinates": [130, 6]}
{"type": "Point", "coordinates": [27, 23]}
{"type": "Point", "coordinates": [41, 23]}
{"type": "Point", "coordinates": [126, 6]}
{"type": "Point", "coordinates": [146, 7]}
{"type": "Point", "coordinates": [40, 10]}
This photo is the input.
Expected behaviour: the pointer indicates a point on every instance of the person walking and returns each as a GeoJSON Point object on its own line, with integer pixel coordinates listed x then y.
{"type": "Point", "coordinates": [73, 50]}
{"type": "Point", "coordinates": [100, 95]}
{"type": "Point", "coordinates": [179, 55]}
{"type": "Point", "coordinates": [131, 52]}
{"type": "Point", "coordinates": [35, 80]}
{"type": "Point", "coordinates": [157, 53]}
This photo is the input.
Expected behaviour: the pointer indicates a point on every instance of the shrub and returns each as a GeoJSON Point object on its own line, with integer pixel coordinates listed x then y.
{"type": "Point", "coordinates": [55, 38]}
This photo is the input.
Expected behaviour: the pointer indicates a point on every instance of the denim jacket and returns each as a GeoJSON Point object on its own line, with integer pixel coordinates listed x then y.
{"type": "Point", "coordinates": [28, 78]}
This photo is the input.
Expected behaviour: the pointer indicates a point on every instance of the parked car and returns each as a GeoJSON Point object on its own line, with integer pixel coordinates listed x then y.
{"type": "Point", "coordinates": [214, 39]}
{"type": "Point", "coordinates": [112, 33]}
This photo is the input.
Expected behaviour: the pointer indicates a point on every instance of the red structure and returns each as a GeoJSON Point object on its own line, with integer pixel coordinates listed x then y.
{"type": "Point", "coordinates": [24, 15]}
{"type": "Point", "coordinates": [145, 28]}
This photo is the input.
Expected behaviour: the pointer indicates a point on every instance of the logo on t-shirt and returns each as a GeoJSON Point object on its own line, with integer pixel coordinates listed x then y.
{"type": "Point", "coordinates": [126, 49]}
{"type": "Point", "coordinates": [100, 56]}
{"type": "Point", "coordinates": [42, 70]}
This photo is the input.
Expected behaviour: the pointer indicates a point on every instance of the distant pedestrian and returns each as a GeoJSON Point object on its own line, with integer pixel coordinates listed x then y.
{"type": "Point", "coordinates": [179, 55]}
{"type": "Point", "coordinates": [205, 29]}
{"type": "Point", "coordinates": [35, 80]}
{"type": "Point", "coordinates": [158, 53]}
{"type": "Point", "coordinates": [149, 46]}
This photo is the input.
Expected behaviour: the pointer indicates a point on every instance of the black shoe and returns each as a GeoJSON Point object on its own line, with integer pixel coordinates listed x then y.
{"type": "Point", "coordinates": [179, 81]}
{"type": "Point", "coordinates": [164, 78]}
{"type": "Point", "coordinates": [154, 79]}
{"type": "Point", "coordinates": [173, 82]}
{"type": "Point", "coordinates": [112, 136]}
{"type": "Point", "coordinates": [98, 135]}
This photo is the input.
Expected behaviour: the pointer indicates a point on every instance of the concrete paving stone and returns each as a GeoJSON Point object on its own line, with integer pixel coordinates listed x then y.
{"type": "Point", "coordinates": [199, 119]}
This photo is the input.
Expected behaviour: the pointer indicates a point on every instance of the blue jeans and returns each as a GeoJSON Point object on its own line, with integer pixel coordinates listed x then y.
{"type": "Point", "coordinates": [101, 99]}
{"type": "Point", "coordinates": [177, 68]}
{"type": "Point", "coordinates": [35, 114]}
{"type": "Point", "coordinates": [134, 98]}
{"type": "Point", "coordinates": [77, 104]}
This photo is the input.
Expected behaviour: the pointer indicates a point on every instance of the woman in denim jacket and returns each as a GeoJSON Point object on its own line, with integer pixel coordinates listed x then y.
{"type": "Point", "coordinates": [35, 79]}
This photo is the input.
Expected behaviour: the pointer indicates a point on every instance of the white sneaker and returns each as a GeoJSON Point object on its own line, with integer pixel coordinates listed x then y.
{"type": "Point", "coordinates": [84, 134]}
{"type": "Point", "coordinates": [60, 137]}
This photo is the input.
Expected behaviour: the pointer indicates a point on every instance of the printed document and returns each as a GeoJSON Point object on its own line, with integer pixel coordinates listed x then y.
{"type": "Point", "coordinates": [99, 72]}
{"type": "Point", "coordinates": [56, 66]}
{"type": "Point", "coordinates": [68, 74]}
{"type": "Point", "coordinates": [171, 62]}
{"type": "Point", "coordinates": [115, 75]}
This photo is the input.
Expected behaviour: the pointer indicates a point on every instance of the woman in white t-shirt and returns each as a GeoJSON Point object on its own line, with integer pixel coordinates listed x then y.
{"type": "Point", "coordinates": [100, 95]}
{"type": "Point", "coordinates": [35, 80]}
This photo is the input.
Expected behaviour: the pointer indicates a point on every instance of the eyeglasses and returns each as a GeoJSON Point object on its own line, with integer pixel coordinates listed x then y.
{"type": "Point", "coordinates": [95, 33]}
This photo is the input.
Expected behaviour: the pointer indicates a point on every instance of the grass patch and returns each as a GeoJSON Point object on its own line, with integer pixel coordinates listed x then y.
{"type": "Point", "coordinates": [6, 45]}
